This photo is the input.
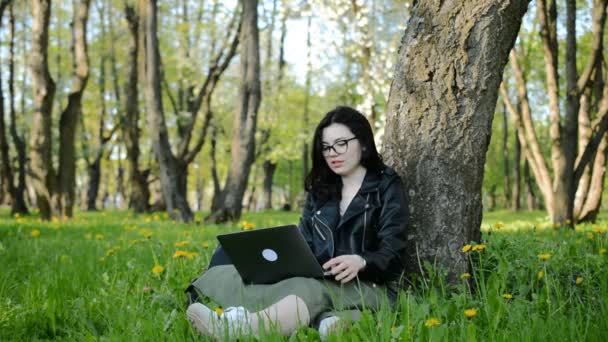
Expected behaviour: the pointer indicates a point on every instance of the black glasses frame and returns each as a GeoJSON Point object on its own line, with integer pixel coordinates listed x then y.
{"type": "Point", "coordinates": [325, 150]}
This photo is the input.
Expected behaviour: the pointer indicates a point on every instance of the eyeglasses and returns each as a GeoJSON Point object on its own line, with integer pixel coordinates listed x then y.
{"type": "Point", "coordinates": [340, 147]}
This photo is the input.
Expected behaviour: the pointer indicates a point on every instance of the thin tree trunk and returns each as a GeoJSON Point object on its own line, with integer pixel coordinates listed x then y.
{"type": "Point", "coordinates": [530, 198]}
{"type": "Point", "coordinates": [6, 172]}
{"type": "Point", "coordinates": [505, 156]}
{"type": "Point", "coordinates": [174, 200]}
{"type": "Point", "coordinates": [441, 86]}
{"type": "Point", "coordinates": [243, 141]}
{"type": "Point", "coordinates": [269, 169]}
{"type": "Point", "coordinates": [515, 201]}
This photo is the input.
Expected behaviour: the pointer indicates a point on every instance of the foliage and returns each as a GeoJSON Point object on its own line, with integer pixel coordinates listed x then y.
{"type": "Point", "coordinates": [118, 276]}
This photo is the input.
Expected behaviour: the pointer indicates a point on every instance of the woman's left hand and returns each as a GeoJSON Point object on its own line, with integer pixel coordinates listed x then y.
{"type": "Point", "coordinates": [345, 267]}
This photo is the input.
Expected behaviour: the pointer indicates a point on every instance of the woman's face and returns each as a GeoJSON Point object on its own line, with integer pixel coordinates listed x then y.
{"type": "Point", "coordinates": [345, 156]}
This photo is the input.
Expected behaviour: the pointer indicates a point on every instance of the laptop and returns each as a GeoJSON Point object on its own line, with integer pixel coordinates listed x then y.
{"type": "Point", "coordinates": [268, 255]}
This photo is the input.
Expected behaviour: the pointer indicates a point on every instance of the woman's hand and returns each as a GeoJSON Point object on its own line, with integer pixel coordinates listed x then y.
{"type": "Point", "coordinates": [345, 267]}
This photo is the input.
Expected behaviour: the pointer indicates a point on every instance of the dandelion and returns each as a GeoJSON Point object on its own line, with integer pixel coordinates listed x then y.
{"type": "Point", "coordinates": [147, 220]}
{"type": "Point", "coordinates": [465, 276]}
{"type": "Point", "coordinates": [544, 256]}
{"type": "Point", "coordinates": [432, 322]}
{"type": "Point", "coordinates": [35, 233]}
{"type": "Point", "coordinates": [599, 230]}
{"type": "Point", "coordinates": [157, 269]}
{"type": "Point", "coordinates": [479, 247]}
{"type": "Point", "coordinates": [568, 221]}
{"type": "Point", "coordinates": [205, 245]}
{"type": "Point", "coordinates": [466, 248]}
{"type": "Point", "coordinates": [590, 235]}
{"type": "Point", "coordinates": [218, 310]}
{"type": "Point", "coordinates": [191, 255]}
{"type": "Point", "coordinates": [602, 251]}
{"type": "Point", "coordinates": [110, 252]}
{"type": "Point", "coordinates": [507, 296]}
{"type": "Point", "coordinates": [146, 233]}
{"type": "Point", "coordinates": [540, 275]}
{"type": "Point", "coordinates": [99, 236]}
{"type": "Point", "coordinates": [181, 243]}
{"type": "Point", "coordinates": [17, 215]}
{"type": "Point", "coordinates": [247, 225]}
{"type": "Point", "coordinates": [179, 254]}
{"type": "Point", "coordinates": [498, 225]}
{"type": "Point", "coordinates": [469, 313]}
{"type": "Point", "coordinates": [579, 280]}
{"type": "Point", "coordinates": [156, 217]}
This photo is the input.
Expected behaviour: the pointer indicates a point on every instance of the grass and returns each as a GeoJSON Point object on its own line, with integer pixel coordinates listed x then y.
{"type": "Point", "coordinates": [92, 278]}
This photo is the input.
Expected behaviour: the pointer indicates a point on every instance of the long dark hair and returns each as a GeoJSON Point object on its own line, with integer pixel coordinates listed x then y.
{"type": "Point", "coordinates": [322, 181]}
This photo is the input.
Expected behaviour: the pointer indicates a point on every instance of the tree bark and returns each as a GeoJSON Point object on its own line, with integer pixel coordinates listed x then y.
{"type": "Point", "coordinates": [269, 169]}
{"type": "Point", "coordinates": [243, 140]}
{"type": "Point", "coordinates": [439, 121]}
{"type": "Point", "coordinates": [505, 156]}
{"type": "Point", "coordinates": [139, 195]}
{"type": "Point", "coordinates": [174, 200]}
{"type": "Point", "coordinates": [530, 198]}
{"type": "Point", "coordinates": [6, 172]}
{"type": "Point", "coordinates": [515, 201]}
{"type": "Point", "coordinates": [42, 173]}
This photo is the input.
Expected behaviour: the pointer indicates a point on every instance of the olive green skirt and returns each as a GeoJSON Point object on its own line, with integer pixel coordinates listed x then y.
{"type": "Point", "coordinates": [224, 286]}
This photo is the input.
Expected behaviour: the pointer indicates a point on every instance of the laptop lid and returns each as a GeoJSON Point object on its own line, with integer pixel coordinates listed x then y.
{"type": "Point", "coordinates": [268, 255]}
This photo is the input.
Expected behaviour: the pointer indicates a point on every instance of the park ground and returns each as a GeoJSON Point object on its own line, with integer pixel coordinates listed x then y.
{"type": "Point", "coordinates": [117, 276]}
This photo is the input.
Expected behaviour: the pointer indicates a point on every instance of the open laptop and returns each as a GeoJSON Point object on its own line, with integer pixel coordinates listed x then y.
{"type": "Point", "coordinates": [268, 255]}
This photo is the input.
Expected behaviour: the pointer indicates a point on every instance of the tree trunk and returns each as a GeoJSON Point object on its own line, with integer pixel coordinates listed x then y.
{"type": "Point", "coordinates": [439, 121]}
{"type": "Point", "coordinates": [530, 198]}
{"type": "Point", "coordinates": [139, 195]}
{"type": "Point", "coordinates": [593, 201]}
{"type": "Point", "coordinates": [243, 141]}
{"type": "Point", "coordinates": [505, 157]}
{"type": "Point", "coordinates": [269, 169]}
{"type": "Point", "coordinates": [43, 88]}
{"type": "Point", "coordinates": [6, 172]}
{"type": "Point", "coordinates": [174, 199]}
{"type": "Point", "coordinates": [94, 171]}
{"type": "Point", "coordinates": [492, 198]}
{"type": "Point", "coordinates": [515, 202]}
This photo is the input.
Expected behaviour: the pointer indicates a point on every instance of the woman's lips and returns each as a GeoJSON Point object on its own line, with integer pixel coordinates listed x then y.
{"type": "Point", "coordinates": [337, 163]}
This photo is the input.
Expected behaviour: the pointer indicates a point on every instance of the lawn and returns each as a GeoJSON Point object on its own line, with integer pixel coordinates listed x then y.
{"type": "Point", "coordinates": [120, 277]}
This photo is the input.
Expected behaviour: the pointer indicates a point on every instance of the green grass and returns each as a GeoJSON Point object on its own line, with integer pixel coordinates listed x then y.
{"type": "Point", "coordinates": [91, 279]}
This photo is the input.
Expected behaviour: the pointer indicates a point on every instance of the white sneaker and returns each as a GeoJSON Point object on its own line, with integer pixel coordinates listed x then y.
{"type": "Point", "coordinates": [234, 321]}
{"type": "Point", "coordinates": [327, 326]}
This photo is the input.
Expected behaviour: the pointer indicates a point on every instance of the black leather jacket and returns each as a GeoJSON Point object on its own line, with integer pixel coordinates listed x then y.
{"type": "Point", "coordinates": [373, 226]}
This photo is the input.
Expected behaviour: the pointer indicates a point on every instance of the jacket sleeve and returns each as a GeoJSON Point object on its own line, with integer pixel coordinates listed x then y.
{"type": "Point", "coordinates": [386, 262]}
{"type": "Point", "coordinates": [304, 224]}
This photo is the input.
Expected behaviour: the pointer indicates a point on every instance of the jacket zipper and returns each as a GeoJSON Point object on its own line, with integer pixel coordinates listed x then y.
{"type": "Point", "coordinates": [330, 234]}
{"type": "Point", "coordinates": [319, 231]}
{"type": "Point", "coordinates": [364, 224]}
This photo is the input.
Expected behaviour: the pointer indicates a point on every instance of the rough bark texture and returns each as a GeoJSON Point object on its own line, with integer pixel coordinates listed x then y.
{"type": "Point", "coordinates": [43, 87]}
{"type": "Point", "coordinates": [245, 121]}
{"type": "Point", "coordinates": [439, 121]}
{"type": "Point", "coordinates": [139, 195]}
{"type": "Point", "coordinates": [174, 200]}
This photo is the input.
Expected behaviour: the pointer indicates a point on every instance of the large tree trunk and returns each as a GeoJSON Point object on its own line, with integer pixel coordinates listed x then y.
{"type": "Point", "coordinates": [439, 121]}
{"type": "Point", "coordinates": [174, 199]}
{"type": "Point", "coordinates": [243, 140]}
{"type": "Point", "coordinates": [593, 201]}
{"type": "Point", "coordinates": [6, 172]}
{"type": "Point", "coordinates": [43, 87]}
{"type": "Point", "coordinates": [71, 114]}
{"type": "Point", "coordinates": [139, 195]}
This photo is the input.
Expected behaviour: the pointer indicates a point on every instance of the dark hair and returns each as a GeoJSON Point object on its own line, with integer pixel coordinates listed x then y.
{"type": "Point", "coordinates": [322, 181]}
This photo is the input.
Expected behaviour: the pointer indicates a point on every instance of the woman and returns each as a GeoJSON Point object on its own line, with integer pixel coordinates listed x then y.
{"type": "Point", "coordinates": [354, 221]}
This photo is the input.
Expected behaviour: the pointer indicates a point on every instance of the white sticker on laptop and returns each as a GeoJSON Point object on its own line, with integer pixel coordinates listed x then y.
{"type": "Point", "coordinates": [270, 255]}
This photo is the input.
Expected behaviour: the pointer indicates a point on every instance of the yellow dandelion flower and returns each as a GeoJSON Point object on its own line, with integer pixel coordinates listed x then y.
{"type": "Point", "coordinates": [205, 245]}
{"type": "Point", "coordinates": [180, 254]}
{"type": "Point", "coordinates": [158, 269]}
{"type": "Point", "coordinates": [17, 215]}
{"type": "Point", "coordinates": [219, 311]}
{"type": "Point", "coordinates": [544, 256]}
{"type": "Point", "coordinates": [465, 275]}
{"type": "Point", "coordinates": [432, 322]}
{"type": "Point", "coordinates": [147, 220]}
{"type": "Point", "coordinates": [498, 225]}
{"type": "Point", "coordinates": [191, 255]}
{"type": "Point", "coordinates": [507, 296]}
{"type": "Point", "coordinates": [110, 252]}
{"type": "Point", "coordinates": [579, 280]}
{"type": "Point", "coordinates": [466, 248]}
{"type": "Point", "coordinates": [540, 275]}
{"type": "Point", "coordinates": [35, 233]}
{"type": "Point", "coordinates": [599, 230]}
{"type": "Point", "coordinates": [181, 243]}
{"type": "Point", "coordinates": [470, 312]}
{"type": "Point", "coordinates": [99, 236]}
{"type": "Point", "coordinates": [146, 233]}
{"type": "Point", "coordinates": [590, 235]}
{"type": "Point", "coordinates": [156, 217]}
{"type": "Point", "coordinates": [602, 251]}
{"type": "Point", "coordinates": [479, 247]}
{"type": "Point", "coordinates": [568, 221]}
